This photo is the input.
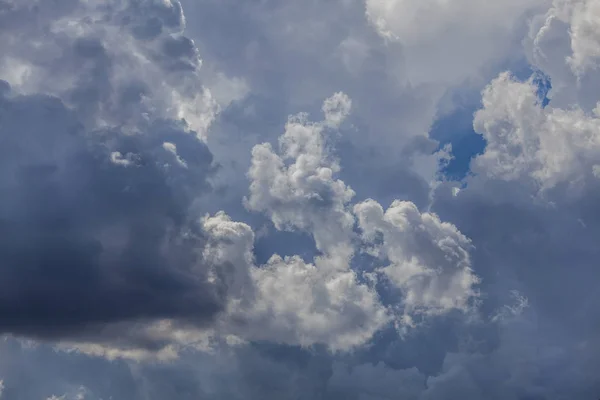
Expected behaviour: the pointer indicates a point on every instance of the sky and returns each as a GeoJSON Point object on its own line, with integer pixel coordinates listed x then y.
{"type": "Point", "coordinates": [299, 199]}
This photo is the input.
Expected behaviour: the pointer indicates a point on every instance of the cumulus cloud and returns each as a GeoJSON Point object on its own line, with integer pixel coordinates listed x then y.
{"type": "Point", "coordinates": [298, 304]}
{"type": "Point", "coordinates": [297, 188]}
{"type": "Point", "coordinates": [428, 259]}
{"type": "Point", "coordinates": [548, 146]}
{"type": "Point", "coordinates": [303, 303]}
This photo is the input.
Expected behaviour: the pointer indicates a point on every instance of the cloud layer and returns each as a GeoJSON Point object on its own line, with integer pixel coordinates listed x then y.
{"type": "Point", "coordinates": [245, 201]}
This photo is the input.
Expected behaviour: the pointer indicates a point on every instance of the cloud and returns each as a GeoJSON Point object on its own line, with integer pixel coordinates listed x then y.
{"type": "Point", "coordinates": [449, 40]}
{"type": "Point", "coordinates": [301, 305]}
{"type": "Point", "coordinates": [428, 259]}
{"type": "Point", "coordinates": [103, 120]}
{"type": "Point", "coordinates": [339, 52]}
{"type": "Point", "coordinates": [562, 43]}
{"type": "Point", "coordinates": [336, 109]}
{"type": "Point", "coordinates": [115, 62]}
{"type": "Point", "coordinates": [580, 39]}
{"type": "Point", "coordinates": [529, 208]}
{"type": "Point", "coordinates": [375, 382]}
{"type": "Point", "coordinates": [110, 242]}
{"type": "Point", "coordinates": [80, 393]}
{"type": "Point", "coordinates": [546, 146]}
{"type": "Point", "coordinates": [297, 189]}
{"type": "Point", "coordinates": [130, 258]}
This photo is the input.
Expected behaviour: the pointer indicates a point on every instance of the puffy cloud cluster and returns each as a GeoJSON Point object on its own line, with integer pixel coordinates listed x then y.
{"type": "Point", "coordinates": [298, 189]}
{"type": "Point", "coordinates": [528, 143]}
{"type": "Point", "coordinates": [296, 302]}
{"type": "Point", "coordinates": [551, 151]}
{"type": "Point", "coordinates": [288, 300]}
{"type": "Point", "coordinates": [428, 259]}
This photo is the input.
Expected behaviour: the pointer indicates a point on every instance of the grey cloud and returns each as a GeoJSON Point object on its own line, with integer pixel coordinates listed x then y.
{"type": "Point", "coordinates": [102, 159]}
{"type": "Point", "coordinates": [293, 55]}
{"type": "Point", "coordinates": [88, 54]}
{"type": "Point", "coordinates": [86, 241]}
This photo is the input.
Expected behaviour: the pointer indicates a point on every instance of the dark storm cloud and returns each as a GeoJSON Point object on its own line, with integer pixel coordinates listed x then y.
{"type": "Point", "coordinates": [97, 178]}
{"type": "Point", "coordinates": [94, 226]}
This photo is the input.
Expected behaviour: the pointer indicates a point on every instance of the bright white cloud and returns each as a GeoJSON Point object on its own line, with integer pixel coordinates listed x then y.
{"type": "Point", "coordinates": [288, 300]}
{"type": "Point", "coordinates": [428, 259]}
{"type": "Point", "coordinates": [323, 302]}
{"type": "Point", "coordinates": [540, 147]}
{"type": "Point", "coordinates": [292, 301]}
{"type": "Point", "coordinates": [297, 188]}
{"type": "Point", "coordinates": [300, 304]}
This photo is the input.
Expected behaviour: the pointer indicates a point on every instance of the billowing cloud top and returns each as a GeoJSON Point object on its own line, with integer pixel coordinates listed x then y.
{"type": "Point", "coordinates": [261, 200]}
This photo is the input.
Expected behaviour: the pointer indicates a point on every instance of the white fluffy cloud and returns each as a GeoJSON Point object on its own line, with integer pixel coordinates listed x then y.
{"type": "Point", "coordinates": [538, 147]}
{"type": "Point", "coordinates": [298, 189]}
{"type": "Point", "coordinates": [299, 304]}
{"type": "Point", "coordinates": [292, 301]}
{"type": "Point", "coordinates": [428, 259]}
{"type": "Point", "coordinates": [530, 208]}
{"type": "Point", "coordinates": [288, 300]}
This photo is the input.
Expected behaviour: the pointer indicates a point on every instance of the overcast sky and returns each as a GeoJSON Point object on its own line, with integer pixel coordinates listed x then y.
{"type": "Point", "coordinates": [299, 199]}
